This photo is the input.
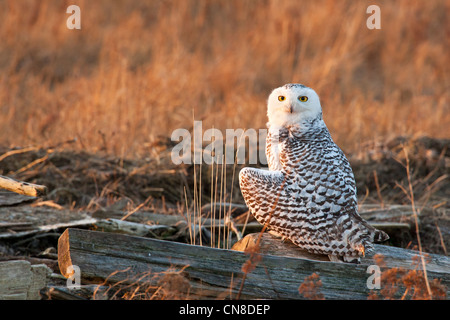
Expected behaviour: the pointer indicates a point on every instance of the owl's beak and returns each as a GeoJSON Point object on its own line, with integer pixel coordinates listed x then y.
{"type": "Point", "coordinates": [290, 108]}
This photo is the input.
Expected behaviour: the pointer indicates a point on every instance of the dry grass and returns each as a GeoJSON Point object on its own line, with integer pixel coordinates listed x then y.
{"type": "Point", "coordinates": [400, 283]}
{"type": "Point", "coordinates": [396, 283]}
{"type": "Point", "coordinates": [310, 287]}
{"type": "Point", "coordinates": [136, 71]}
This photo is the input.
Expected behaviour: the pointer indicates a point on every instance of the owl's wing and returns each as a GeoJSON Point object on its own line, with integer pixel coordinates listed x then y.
{"type": "Point", "coordinates": [323, 175]}
{"type": "Point", "coordinates": [270, 198]}
{"type": "Point", "coordinates": [263, 191]}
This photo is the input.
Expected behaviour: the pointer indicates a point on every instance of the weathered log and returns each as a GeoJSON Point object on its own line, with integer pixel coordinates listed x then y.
{"type": "Point", "coordinates": [24, 188]}
{"type": "Point", "coordinates": [51, 263]}
{"type": "Point", "coordinates": [8, 198]}
{"type": "Point", "coordinates": [46, 228]}
{"type": "Point", "coordinates": [269, 244]}
{"type": "Point", "coordinates": [139, 216]}
{"type": "Point", "coordinates": [15, 226]}
{"type": "Point", "coordinates": [377, 218]}
{"type": "Point", "coordinates": [19, 280]}
{"type": "Point", "coordinates": [393, 257]}
{"type": "Point", "coordinates": [24, 220]}
{"type": "Point", "coordinates": [218, 273]}
{"type": "Point", "coordinates": [133, 228]}
{"type": "Point", "coordinates": [84, 292]}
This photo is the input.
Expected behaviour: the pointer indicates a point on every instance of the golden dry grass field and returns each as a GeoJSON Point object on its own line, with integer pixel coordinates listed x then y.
{"type": "Point", "coordinates": [137, 70]}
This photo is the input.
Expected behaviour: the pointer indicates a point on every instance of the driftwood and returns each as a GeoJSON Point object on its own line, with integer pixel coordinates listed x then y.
{"type": "Point", "coordinates": [51, 263]}
{"type": "Point", "coordinates": [24, 220]}
{"type": "Point", "coordinates": [387, 219]}
{"type": "Point", "coordinates": [28, 229]}
{"type": "Point", "coordinates": [24, 188]}
{"type": "Point", "coordinates": [82, 292]}
{"type": "Point", "coordinates": [139, 216]}
{"type": "Point", "coordinates": [8, 198]}
{"type": "Point", "coordinates": [269, 244]}
{"type": "Point", "coordinates": [216, 273]}
{"type": "Point", "coordinates": [133, 228]}
{"type": "Point", "coordinates": [393, 257]}
{"type": "Point", "coordinates": [19, 280]}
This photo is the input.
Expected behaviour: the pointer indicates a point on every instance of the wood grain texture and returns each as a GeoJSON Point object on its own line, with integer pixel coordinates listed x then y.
{"type": "Point", "coordinates": [24, 188]}
{"type": "Point", "coordinates": [19, 280]}
{"type": "Point", "coordinates": [214, 273]}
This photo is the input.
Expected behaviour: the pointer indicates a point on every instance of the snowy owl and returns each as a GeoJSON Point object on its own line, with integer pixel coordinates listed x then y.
{"type": "Point", "coordinates": [308, 195]}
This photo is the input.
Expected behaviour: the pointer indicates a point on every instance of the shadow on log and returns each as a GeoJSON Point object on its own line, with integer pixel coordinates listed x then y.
{"type": "Point", "coordinates": [210, 273]}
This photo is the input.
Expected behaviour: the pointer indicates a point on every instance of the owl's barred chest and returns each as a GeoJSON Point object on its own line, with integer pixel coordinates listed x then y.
{"type": "Point", "coordinates": [301, 155]}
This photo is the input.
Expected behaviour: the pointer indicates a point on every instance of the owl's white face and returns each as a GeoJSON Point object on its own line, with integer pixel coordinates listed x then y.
{"type": "Point", "coordinates": [292, 104]}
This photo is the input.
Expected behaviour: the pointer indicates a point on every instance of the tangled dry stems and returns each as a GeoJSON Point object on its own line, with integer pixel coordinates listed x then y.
{"type": "Point", "coordinates": [310, 288]}
{"type": "Point", "coordinates": [400, 283]}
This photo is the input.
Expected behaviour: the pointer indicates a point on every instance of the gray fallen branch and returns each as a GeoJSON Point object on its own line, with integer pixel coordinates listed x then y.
{"type": "Point", "coordinates": [133, 228]}
{"type": "Point", "coordinates": [11, 234]}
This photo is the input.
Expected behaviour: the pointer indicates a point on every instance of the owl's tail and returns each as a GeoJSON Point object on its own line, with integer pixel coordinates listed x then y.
{"type": "Point", "coordinates": [362, 240]}
{"type": "Point", "coordinates": [380, 236]}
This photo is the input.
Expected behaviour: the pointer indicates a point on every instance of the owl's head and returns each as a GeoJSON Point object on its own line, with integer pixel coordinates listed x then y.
{"type": "Point", "coordinates": [292, 104]}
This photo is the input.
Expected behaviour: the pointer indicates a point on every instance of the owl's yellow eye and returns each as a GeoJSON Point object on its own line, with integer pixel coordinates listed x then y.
{"type": "Point", "coordinates": [303, 98]}
{"type": "Point", "coordinates": [281, 98]}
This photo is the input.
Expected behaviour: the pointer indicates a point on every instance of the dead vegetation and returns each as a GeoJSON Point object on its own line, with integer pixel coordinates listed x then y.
{"type": "Point", "coordinates": [83, 185]}
{"type": "Point", "coordinates": [399, 283]}
{"type": "Point", "coordinates": [89, 114]}
{"type": "Point", "coordinates": [310, 287]}
{"type": "Point", "coordinates": [395, 283]}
